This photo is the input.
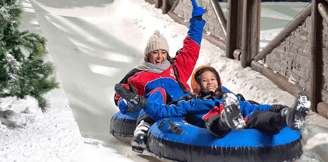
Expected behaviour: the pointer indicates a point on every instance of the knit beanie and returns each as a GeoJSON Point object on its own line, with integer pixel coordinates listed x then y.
{"type": "Point", "coordinates": [156, 42]}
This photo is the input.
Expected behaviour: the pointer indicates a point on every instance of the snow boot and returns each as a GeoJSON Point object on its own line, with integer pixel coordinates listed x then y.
{"type": "Point", "coordinates": [139, 141]}
{"type": "Point", "coordinates": [137, 100]}
{"type": "Point", "coordinates": [231, 114]}
{"type": "Point", "coordinates": [295, 117]}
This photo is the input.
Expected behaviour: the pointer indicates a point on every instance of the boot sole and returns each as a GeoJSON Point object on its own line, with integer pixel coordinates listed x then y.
{"type": "Point", "coordinates": [232, 115]}
{"type": "Point", "coordinates": [138, 145]}
{"type": "Point", "coordinates": [137, 149]}
{"type": "Point", "coordinates": [296, 118]}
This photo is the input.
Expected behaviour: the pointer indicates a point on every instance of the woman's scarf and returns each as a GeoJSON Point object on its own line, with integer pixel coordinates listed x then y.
{"type": "Point", "coordinates": [147, 66]}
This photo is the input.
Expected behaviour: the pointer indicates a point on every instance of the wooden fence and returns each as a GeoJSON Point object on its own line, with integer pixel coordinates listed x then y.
{"type": "Point", "coordinates": [243, 21]}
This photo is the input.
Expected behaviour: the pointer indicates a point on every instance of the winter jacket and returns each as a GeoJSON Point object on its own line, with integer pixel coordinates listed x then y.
{"type": "Point", "coordinates": [197, 108]}
{"type": "Point", "coordinates": [144, 82]}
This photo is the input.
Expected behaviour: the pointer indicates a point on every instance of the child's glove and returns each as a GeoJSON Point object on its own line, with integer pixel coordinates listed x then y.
{"type": "Point", "coordinates": [196, 11]}
{"type": "Point", "coordinates": [277, 108]}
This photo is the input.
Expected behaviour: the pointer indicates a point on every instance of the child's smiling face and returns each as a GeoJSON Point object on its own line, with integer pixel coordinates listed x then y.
{"type": "Point", "coordinates": [208, 81]}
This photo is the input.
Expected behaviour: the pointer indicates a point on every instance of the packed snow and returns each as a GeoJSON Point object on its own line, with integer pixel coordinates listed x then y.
{"type": "Point", "coordinates": [93, 44]}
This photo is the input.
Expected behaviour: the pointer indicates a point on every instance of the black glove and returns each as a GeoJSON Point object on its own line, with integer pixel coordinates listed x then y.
{"type": "Point", "coordinates": [131, 107]}
{"type": "Point", "coordinates": [242, 98]}
{"type": "Point", "coordinates": [277, 108]}
{"type": "Point", "coordinates": [131, 96]}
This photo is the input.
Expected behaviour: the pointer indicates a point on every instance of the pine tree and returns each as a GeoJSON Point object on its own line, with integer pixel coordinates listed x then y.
{"type": "Point", "coordinates": [22, 73]}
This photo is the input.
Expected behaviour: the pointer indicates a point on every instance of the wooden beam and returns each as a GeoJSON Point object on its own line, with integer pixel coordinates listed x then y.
{"type": "Point", "coordinates": [283, 84]}
{"type": "Point", "coordinates": [219, 15]}
{"type": "Point", "coordinates": [237, 54]}
{"type": "Point", "coordinates": [323, 109]}
{"type": "Point", "coordinates": [251, 31]}
{"type": "Point", "coordinates": [246, 34]}
{"type": "Point", "coordinates": [284, 33]}
{"type": "Point", "coordinates": [216, 41]}
{"type": "Point", "coordinates": [323, 10]}
{"type": "Point", "coordinates": [158, 3]}
{"type": "Point", "coordinates": [169, 5]}
{"type": "Point", "coordinates": [150, 1]}
{"type": "Point", "coordinates": [277, 79]}
{"type": "Point", "coordinates": [232, 27]}
{"type": "Point", "coordinates": [315, 48]}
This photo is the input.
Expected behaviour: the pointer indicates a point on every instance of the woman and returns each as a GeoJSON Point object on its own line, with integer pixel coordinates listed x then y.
{"type": "Point", "coordinates": [160, 77]}
{"type": "Point", "coordinates": [222, 111]}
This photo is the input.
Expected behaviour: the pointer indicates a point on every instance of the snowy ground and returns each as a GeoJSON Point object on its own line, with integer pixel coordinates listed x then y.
{"type": "Point", "coordinates": [93, 44]}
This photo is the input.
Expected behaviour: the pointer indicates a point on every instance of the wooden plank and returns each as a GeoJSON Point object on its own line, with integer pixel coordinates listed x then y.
{"type": "Point", "coordinates": [315, 88]}
{"type": "Point", "coordinates": [251, 31]}
{"type": "Point", "coordinates": [169, 5]}
{"type": "Point", "coordinates": [232, 27]}
{"type": "Point", "coordinates": [220, 16]}
{"type": "Point", "coordinates": [277, 79]}
{"type": "Point", "coordinates": [323, 10]}
{"type": "Point", "coordinates": [237, 54]}
{"type": "Point", "coordinates": [323, 109]}
{"type": "Point", "coordinates": [158, 3]}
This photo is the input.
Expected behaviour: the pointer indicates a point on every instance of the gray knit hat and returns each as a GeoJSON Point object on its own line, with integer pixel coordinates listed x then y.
{"type": "Point", "coordinates": [156, 42]}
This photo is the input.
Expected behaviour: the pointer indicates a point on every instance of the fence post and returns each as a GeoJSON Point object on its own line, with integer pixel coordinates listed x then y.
{"type": "Point", "coordinates": [251, 31]}
{"type": "Point", "coordinates": [234, 23]}
{"type": "Point", "coordinates": [315, 48]}
{"type": "Point", "coordinates": [158, 3]}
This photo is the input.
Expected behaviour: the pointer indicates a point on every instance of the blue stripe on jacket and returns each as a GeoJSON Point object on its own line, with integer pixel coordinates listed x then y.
{"type": "Point", "coordinates": [196, 30]}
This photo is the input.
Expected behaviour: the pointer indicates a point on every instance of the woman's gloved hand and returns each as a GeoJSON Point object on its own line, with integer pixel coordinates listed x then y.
{"type": "Point", "coordinates": [130, 96]}
{"type": "Point", "coordinates": [196, 11]}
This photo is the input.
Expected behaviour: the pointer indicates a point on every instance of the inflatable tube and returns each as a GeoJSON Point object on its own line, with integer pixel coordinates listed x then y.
{"type": "Point", "coordinates": [123, 125]}
{"type": "Point", "coordinates": [175, 139]}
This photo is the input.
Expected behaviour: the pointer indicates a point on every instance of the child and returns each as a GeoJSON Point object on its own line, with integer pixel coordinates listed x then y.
{"type": "Point", "coordinates": [222, 111]}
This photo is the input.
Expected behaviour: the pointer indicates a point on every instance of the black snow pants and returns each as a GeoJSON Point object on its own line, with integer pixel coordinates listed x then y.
{"type": "Point", "coordinates": [265, 121]}
{"type": "Point", "coordinates": [216, 126]}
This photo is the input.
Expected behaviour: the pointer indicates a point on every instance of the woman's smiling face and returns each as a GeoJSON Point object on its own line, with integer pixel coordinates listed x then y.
{"type": "Point", "coordinates": [157, 57]}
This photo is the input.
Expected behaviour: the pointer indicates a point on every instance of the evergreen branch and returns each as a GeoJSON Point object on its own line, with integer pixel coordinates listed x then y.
{"type": "Point", "coordinates": [22, 74]}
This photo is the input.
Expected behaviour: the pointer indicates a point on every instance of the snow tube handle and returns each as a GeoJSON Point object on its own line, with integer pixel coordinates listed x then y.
{"type": "Point", "coordinates": [175, 129]}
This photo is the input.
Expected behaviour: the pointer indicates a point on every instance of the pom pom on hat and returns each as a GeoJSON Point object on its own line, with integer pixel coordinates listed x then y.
{"type": "Point", "coordinates": [157, 32]}
{"type": "Point", "coordinates": [156, 42]}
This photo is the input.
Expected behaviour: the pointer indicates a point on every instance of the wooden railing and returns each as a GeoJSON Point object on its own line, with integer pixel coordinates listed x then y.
{"type": "Point", "coordinates": [243, 18]}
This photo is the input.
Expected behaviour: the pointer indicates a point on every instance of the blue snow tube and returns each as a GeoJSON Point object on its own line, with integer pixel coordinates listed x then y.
{"type": "Point", "coordinates": [123, 125]}
{"type": "Point", "coordinates": [175, 139]}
